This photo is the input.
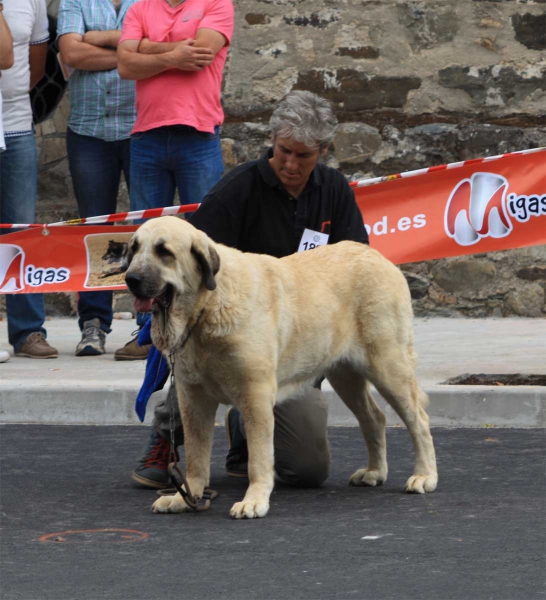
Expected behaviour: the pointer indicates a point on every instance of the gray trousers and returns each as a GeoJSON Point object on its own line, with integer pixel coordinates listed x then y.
{"type": "Point", "coordinates": [302, 450]}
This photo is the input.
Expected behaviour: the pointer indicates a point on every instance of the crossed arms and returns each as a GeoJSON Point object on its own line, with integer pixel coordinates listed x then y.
{"type": "Point", "coordinates": [142, 59]}
{"type": "Point", "coordinates": [138, 59]}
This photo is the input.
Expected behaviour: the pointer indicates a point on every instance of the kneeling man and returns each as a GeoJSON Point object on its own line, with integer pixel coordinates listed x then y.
{"type": "Point", "coordinates": [284, 202]}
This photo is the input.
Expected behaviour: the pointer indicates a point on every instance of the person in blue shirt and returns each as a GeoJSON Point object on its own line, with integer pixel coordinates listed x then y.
{"type": "Point", "coordinates": [102, 114]}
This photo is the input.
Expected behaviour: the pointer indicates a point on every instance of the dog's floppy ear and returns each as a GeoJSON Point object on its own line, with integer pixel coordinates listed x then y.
{"type": "Point", "coordinates": [126, 256]}
{"type": "Point", "coordinates": [208, 261]}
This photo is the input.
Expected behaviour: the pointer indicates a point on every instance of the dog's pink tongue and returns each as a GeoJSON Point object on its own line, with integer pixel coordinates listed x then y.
{"type": "Point", "coordinates": [143, 305]}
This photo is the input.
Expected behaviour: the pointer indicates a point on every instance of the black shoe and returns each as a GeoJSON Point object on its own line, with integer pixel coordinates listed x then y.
{"type": "Point", "coordinates": [237, 456]}
{"type": "Point", "coordinates": [151, 469]}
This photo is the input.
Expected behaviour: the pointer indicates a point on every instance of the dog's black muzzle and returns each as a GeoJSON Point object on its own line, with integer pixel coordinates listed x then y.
{"type": "Point", "coordinates": [134, 283]}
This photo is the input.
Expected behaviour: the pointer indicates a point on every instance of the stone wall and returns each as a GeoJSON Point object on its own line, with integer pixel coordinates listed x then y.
{"type": "Point", "coordinates": [414, 84]}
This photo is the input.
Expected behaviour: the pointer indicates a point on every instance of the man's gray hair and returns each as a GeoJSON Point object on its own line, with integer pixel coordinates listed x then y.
{"type": "Point", "coordinates": [304, 117]}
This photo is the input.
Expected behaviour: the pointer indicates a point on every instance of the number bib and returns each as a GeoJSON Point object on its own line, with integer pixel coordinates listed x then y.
{"type": "Point", "coordinates": [312, 239]}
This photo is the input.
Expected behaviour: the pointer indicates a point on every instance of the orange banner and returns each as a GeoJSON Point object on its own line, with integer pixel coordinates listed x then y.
{"type": "Point", "coordinates": [450, 211]}
{"type": "Point", "coordinates": [63, 259]}
{"type": "Point", "coordinates": [469, 209]}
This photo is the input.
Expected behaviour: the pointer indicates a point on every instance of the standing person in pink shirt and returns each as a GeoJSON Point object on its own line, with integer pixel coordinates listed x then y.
{"type": "Point", "coordinates": [176, 51]}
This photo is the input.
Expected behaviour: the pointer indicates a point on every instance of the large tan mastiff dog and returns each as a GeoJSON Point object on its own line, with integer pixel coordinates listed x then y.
{"type": "Point", "coordinates": [260, 327]}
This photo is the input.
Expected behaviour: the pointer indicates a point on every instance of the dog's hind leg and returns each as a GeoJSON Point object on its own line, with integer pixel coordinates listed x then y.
{"type": "Point", "coordinates": [198, 420]}
{"type": "Point", "coordinates": [352, 387]}
{"type": "Point", "coordinates": [257, 411]}
{"type": "Point", "coordinates": [392, 372]}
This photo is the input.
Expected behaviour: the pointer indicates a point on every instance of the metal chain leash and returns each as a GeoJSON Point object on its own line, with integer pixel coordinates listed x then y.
{"type": "Point", "coordinates": [183, 487]}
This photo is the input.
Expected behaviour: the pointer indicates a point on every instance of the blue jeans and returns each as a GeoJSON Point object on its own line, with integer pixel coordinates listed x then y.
{"type": "Point", "coordinates": [170, 158]}
{"type": "Point", "coordinates": [18, 184]}
{"type": "Point", "coordinates": [95, 167]}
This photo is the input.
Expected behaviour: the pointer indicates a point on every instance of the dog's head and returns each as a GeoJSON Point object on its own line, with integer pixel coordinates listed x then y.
{"type": "Point", "coordinates": [115, 251]}
{"type": "Point", "coordinates": [170, 264]}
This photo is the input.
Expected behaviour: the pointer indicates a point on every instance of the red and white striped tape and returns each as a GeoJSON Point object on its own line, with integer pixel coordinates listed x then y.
{"type": "Point", "coordinates": [134, 215]}
{"type": "Point", "coordinates": [455, 165]}
{"type": "Point", "coordinates": [176, 210]}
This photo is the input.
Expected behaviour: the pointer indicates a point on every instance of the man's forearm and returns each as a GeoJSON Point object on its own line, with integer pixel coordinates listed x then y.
{"type": "Point", "coordinates": [103, 39]}
{"type": "Point", "coordinates": [147, 47]}
{"type": "Point", "coordinates": [136, 66]}
{"type": "Point", "coordinates": [89, 57]}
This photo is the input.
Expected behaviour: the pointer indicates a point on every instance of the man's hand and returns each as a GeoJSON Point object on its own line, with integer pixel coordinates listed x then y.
{"type": "Point", "coordinates": [143, 59]}
{"type": "Point", "coordinates": [186, 57]}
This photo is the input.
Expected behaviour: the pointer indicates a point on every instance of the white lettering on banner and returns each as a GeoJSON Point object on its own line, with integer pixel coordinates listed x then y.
{"type": "Point", "coordinates": [381, 227]}
{"type": "Point", "coordinates": [312, 239]}
{"type": "Point", "coordinates": [37, 276]}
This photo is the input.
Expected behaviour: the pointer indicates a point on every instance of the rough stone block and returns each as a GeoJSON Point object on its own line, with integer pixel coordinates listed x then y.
{"type": "Point", "coordinates": [530, 30]}
{"type": "Point", "coordinates": [356, 142]}
{"type": "Point", "coordinates": [123, 302]}
{"type": "Point", "coordinates": [418, 285]}
{"type": "Point", "coordinates": [464, 274]}
{"type": "Point", "coordinates": [497, 85]}
{"type": "Point", "coordinates": [60, 120]}
{"type": "Point", "coordinates": [319, 20]}
{"type": "Point", "coordinates": [355, 90]}
{"type": "Point", "coordinates": [53, 148]}
{"type": "Point", "coordinates": [257, 19]}
{"type": "Point", "coordinates": [528, 300]}
{"type": "Point", "coordinates": [489, 22]}
{"type": "Point", "coordinates": [428, 27]}
{"type": "Point", "coordinates": [48, 127]}
{"type": "Point", "coordinates": [59, 305]}
{"type": "Point", "coordinates": [532, 273]}
{"type": "Point", "coordinates": [368, 52]}
{"type": "Point", "coordinates": [228, 154]}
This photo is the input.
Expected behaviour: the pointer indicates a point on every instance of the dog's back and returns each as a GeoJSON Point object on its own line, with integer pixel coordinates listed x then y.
{"type": "Point", "coordinates": [326, 305]}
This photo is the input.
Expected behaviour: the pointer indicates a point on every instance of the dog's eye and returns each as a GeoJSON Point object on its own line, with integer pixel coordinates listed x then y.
{"type": "Point", "coordinates": [163, 252]}
{"type": "Point", "coordinates": [134, 247]}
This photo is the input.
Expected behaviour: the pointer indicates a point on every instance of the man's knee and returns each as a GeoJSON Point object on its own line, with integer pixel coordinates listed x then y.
{"type": "Point", "coordinates": [302, 451]}
{"type": "Point", "coordinates": [310, 470]}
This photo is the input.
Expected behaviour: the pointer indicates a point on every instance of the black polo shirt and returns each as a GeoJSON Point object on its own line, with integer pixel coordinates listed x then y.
{"type": "Point", "coordinates": [250, 210]}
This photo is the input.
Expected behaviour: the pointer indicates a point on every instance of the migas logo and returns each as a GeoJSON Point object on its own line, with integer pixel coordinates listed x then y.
{"type": "Point", "coordinates": [479, 207]}
{"type": "Point", "coordinates": [11, 268]}
{"type": "Point", "coordinates": [14, 276]}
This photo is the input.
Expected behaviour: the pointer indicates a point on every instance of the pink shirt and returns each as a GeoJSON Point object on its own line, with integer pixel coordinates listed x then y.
{"type": "Point", "coordinates": [177, 97]}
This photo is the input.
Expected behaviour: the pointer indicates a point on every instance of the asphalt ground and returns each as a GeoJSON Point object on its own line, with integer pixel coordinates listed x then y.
{"type": "Point", "coordinates": [481, 535]}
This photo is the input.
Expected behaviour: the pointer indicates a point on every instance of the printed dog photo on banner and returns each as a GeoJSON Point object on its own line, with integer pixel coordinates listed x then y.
{"type": "Point", "coordinates": [105, 256]}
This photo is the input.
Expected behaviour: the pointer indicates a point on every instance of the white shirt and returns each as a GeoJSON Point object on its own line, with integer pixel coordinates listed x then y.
{"type": "Point", "coordinates": [2, 142]}
{"type": "Point", "coordinates": [27, 20]}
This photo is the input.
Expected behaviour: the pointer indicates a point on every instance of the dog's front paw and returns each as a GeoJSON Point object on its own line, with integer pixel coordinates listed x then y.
{"type": "Point", "coordinates": [368, 477]}
{"type": "Point", "coordinates": [420, 484]}
{"type": "Point", "coordinates": [170, 504]}
{"type": "Point", "coordinates": [249, 509]}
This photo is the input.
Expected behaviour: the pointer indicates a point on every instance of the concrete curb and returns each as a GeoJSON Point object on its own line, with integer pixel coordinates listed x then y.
{"type": "Point", "coordinates": [450, 406]}
{"type": "Point", "coordinates": [464, 406]}
{"type": "Point", "coordinates": [100, 391]}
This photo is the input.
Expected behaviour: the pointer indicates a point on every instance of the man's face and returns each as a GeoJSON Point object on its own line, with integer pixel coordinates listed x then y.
{"type": "Point", "coordinates": [293, 162]}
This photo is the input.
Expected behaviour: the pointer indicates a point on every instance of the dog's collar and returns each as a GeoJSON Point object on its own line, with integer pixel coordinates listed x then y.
{"type": "Point", "coordinates": [180, 346]}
